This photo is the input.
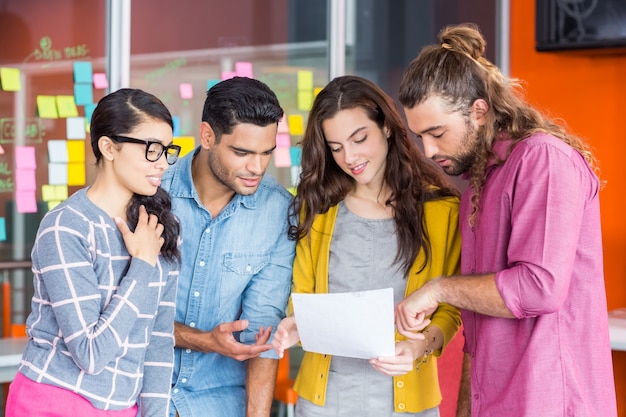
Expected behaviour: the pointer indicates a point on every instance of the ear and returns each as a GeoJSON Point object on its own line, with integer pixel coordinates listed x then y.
{"type": "Point", "coordinates": [387, 131]}
{"type": "Point", "coordinates": [480, 108]}
{"type": "Point", "coordinates": [107, 147]}
{"type": "Point", "coordinates": [207, 135]}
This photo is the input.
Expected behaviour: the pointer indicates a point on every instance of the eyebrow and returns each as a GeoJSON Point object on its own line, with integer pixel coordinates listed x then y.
{"type": "Point", "coordinates": [351, 134]}
{"type": "Point", "coordinates": [430, 129]}
{"type": "Point", "coordinates": [242, 150]}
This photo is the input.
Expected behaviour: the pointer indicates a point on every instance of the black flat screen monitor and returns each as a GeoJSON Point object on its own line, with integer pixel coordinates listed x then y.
{"type": "Point", "coordinates": [580, 24]}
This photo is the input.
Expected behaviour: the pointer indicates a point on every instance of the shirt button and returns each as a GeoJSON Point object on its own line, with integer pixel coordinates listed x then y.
{"type": "Point", "coordinates": [192, 324]}
{"type": "Point", "coordinates": [207, 230]}
{"type": "Point", "coordinates": [248, 268]}
{"type": "Point", "coordinates": [401, 406]}
{"type": "Point", "coordinates": [175, 390]}
{"type": "Point", "coordinates": [201, 263]}
{"type": "Point", "coordinates": [184, 380]}
{"type": "Point", "coordinates": [188, 350]}
{"type": "Point", "coordinates": [196, 294]}
{"type": "Point", "coordinates": [400, 384]}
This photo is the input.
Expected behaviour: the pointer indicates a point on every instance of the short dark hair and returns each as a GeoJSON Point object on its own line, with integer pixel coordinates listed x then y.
{"type": "Point", "coordinates": [240, 100]}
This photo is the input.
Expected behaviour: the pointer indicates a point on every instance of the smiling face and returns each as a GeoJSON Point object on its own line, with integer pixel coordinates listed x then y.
{"type": "Point", "coordinates": [358, 145]}
{"type": "Point", "coordinates": [239, 160]}
{"type": "Point", "coordinates": [130, 166]}
{"type": "Point", "coordinates": [449, 137]}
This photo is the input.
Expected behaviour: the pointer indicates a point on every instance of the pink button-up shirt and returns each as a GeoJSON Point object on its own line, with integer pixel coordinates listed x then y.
{"type": "Point", "coordinates": [539, 231]}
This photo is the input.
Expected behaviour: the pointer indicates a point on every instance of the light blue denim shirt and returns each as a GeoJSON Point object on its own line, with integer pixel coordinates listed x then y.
{"type": "Point", "coordinates": [235, 266]}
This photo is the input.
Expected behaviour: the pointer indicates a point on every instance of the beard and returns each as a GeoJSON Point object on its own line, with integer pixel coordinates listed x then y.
{"type": "Point", "coordinates": [466, 156]}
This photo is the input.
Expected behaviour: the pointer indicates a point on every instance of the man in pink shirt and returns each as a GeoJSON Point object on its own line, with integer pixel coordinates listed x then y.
{"type": "Point", "coordinates": [532, 291]}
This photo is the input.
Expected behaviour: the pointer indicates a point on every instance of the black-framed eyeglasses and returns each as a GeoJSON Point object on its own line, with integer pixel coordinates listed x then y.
{"type": "Point", "coordinates": [154, 149]}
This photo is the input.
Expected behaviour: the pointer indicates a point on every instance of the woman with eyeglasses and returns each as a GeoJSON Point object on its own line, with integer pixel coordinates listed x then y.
{"type": "Point", "coordinates": [105, 265]}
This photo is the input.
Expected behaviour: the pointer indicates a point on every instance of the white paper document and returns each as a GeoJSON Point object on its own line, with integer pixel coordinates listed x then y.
{"type": "Point", "coordinates": [353, 324]}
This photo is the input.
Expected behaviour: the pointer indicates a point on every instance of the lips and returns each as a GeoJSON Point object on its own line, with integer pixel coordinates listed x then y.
{"type": "Point", "coordinates": [250, 182]}
{"type": "Point", "coordinates": [359, 168]}
{"type": "Point", "coordinates": [156, 181]}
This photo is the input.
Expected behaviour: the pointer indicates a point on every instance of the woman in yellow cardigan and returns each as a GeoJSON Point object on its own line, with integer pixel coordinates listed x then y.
{"type": "Point", "coordinates": [373, 213]}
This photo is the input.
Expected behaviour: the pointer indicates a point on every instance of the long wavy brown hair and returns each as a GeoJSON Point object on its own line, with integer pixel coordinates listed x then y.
{"type": "Point", "coordinates": [457, 71]}
{"type": "Point", "coordinates": [412, 178]}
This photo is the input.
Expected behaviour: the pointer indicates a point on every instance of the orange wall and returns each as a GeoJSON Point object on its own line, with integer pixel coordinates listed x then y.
{"type": "Point", "coordinates": [587, 91]}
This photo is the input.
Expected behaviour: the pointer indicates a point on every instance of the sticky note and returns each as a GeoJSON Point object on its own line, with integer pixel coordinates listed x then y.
{"type": "Point", "coordinates": [53, 204]}
{"type": "Point", "coordinates": [283, 127]}
{"type": "Point", "coordinates": [57, 173]}
{"type": "Point", "coordinates": [75, 128]}
{"type": "Point", "coordinates": [25, 201]}
{"type": "Point", "coordinates": [316, 91]}
{"type": "Point", "coordinates": [66, 106]}
{"type": "Point", "coordinates": [282, 158]}
{"type": "Point", "coordinates": [100, 80]}
{"type": "Point", "coordinates": [82, 72]}
{"type": "Point", "coordinates": [25, 157]}
{"type": "Point", "coordinates": [187, 144]}
{"type": "Point", "coordinates": [296, 155]}
{"type": "Point", "coordinates": [3, 229]}
{"type": "Point", "coordinates": [305, 80]}
{"type": "Point", "coordinates": [83, 93]}
{"type": "Point", "coordinates": [47, 107]}
{"type": "Point", "coordinates": [176, 127]}
{"type": "Point", "coordinates": [186, 91]}
{"type": "Point", "coordinates": [76, 173]}
{"type": "Point", "coordinates": [228, 74]}
{"type": "Point", "coordinates": [89, 108]}
{"type": "Point", "coordinates": [25, 179]}
{"type": "Point", "coordinates": [76, 151]}
{"type": "Point", "coordinates": [244, 69]}
{"type": "Point", "coordinates": [47, 192]}
{"type": "Point", "coordinates": [305, 100]}
{"type": "Point", "coordinates": [283, 140]}
{"type": "Point", "coordinates": [57, 150]}
{"type": "Point", "coordinates": [10, 79]}
{"type": "Point", "coordinates": [211, 83]}
{"type": "Point", "coordinates": [296, 124]}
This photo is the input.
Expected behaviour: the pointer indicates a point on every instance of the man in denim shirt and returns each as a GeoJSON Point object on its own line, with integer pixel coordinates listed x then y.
{"type": "Point", "coordinates": [235, 276]}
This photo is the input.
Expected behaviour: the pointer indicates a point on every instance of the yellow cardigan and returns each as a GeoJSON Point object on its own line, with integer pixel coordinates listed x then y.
{"type": "Point", "coordinates": [414, 391]}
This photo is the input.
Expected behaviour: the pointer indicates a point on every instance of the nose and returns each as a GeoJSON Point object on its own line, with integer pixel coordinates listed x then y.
{"type": "Point", "coordinates": [161, 163]}
{"type": "Point", "coordinates": [255, 164]}
{"type": "Point", "coordinates": [430, 147]}
{"type": "Point", "coordinates": [349, 155]}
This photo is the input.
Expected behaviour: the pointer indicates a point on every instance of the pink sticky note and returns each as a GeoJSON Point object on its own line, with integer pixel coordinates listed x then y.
{"type": "Point", "coordinates": [25, 201]}
{"type": "Point", "coordinates": [283, 140]}
{"type": "Point", "coordinates": [186, 91]}
{"type": "Point", "coordinates": [228, 74]}
{"type": "Point", "coordinates": [100, 80]}
{"type": "Point", "coordinates": [283, 127]}
{"type": "Point", "coordinates": [282, 157]}
{"type": "Point", "coordinates": [244, 69]}
{"type": "Point", "coordinates": [25, 157]}
{"type": "Point", "coordinates": [25, 180]}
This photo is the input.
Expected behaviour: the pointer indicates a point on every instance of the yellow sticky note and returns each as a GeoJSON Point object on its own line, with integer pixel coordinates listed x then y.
{"type": "Point", "coordinates": [76, 173]}
{"type": "Point", "coordinates": [53, 204]}
{"type": "Point", "coordinates": [61, 192]}
{"type": "Point", "coordinates": [317, 90]}
{"type": "Point", "coordinates": [305, 100]}
{"type": "Point", "coordinates": [305, 80]}
{"type": "Point", "coordinates": [47, 107]}
{"type": "Point", "coordinates": [76, 150]}
{"type": "Point", "coordinates": [48, 192]}
{"type": "Point", "coordinates": [187, 144]}
{"type": "Point", "coordinates": [67, 106]}
{"type": "Point", "coordinates": [296, 124]}
{"type": "Point", "coordinates": [10, 78]}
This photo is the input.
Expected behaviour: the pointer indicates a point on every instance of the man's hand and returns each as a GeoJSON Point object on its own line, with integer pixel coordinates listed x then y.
{"type": "Point", "coordinates": [221, 340]}
{"type": "Point", "coordinates": [411, 312]}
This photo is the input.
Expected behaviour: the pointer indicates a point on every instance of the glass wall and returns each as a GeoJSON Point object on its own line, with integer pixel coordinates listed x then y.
{"type": "Point", "coordinates": [54, 68]}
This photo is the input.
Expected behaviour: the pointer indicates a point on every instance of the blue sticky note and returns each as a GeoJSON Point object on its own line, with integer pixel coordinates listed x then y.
{"type": "Point", "coordinates": [3, 230]}
{"type": "Point", "coordinates": [296, 155]}
{"type": "Point", "coordinates": [176, 122]}
{"type": "Point", "coordinates": [83, 94]}
{"type": "Point", "coordinates": [89, 108]}
{"type": "Point", "coordinates": [211, 83]}
{"type": "Point", "coordinates": [83, 72]}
